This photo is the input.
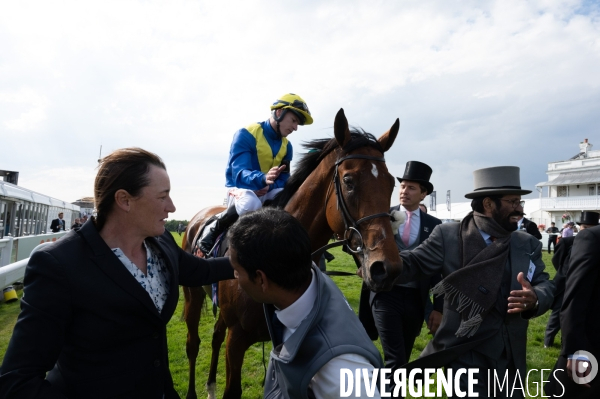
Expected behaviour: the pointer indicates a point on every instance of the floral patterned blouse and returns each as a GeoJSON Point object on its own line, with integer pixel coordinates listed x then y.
{"type": "Point", "coordinates": [156, 282]}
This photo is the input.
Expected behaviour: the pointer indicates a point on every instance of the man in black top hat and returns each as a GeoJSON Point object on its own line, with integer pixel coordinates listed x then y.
{"type": "Point", "coordinates": [398, 314]}
{"type": "Point", "coordinates": [560, 261]}
{"type": "Point", "coordinates": [494, 281]}
{"type": "Point", "coordinates": [530, 227]}
{"type": "Point", "coordinates": [578, 288]}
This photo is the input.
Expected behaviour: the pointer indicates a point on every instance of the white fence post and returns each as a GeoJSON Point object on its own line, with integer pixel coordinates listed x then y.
{"type": "Point", "coordinates": [6, 247]}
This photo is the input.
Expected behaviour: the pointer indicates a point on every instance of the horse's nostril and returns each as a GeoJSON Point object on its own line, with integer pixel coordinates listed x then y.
{"type": "Point", "coordinates": [378, 271]}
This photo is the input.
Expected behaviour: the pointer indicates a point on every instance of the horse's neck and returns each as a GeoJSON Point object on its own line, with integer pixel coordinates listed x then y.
{"type": "Point", "coordinates": [308, 203]}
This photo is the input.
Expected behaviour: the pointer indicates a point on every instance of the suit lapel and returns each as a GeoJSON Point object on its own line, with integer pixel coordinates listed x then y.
{"type": "Point", "coordinates": [425, 227]}
{"type": "Point", "coordinates": [110, 265]}
{"type": "Point", "coordinates": [172, 298]}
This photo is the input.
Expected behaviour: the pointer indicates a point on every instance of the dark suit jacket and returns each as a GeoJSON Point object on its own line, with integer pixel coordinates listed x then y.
{"type": "Point", "coordinates": [56, 225]}
{"type": "Point", "coordinates": [578, 318]}
{"type": "Point", "coordinates": [87, 319]}
{"type": "Point", "coordinates": [560, 260]}
{"type": "Point", "coordinates": [532, 228]}
{"type": "Point", "coordinates": [428, 223]}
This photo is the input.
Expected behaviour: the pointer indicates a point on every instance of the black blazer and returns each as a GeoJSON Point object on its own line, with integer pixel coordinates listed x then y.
{"type": "Point", "coordinates": [532, 228]}
{"type": "Point", "coordinates": [578, 318]}
{"type": "Point", "coordinates": [86, 320]}
{"type": "Point", "coordinates": [57, 225]}
{"type": "Point", "coordinates": [428, 223]}
{"type": "Point", "coordinates": [560, 260]}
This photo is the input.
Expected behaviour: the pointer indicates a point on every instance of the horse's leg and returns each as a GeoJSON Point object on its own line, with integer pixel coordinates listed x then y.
{"type": "Point", "coordinates": [217, 340]}
{"type": "Point", "coordinates": [238, 341]}
{"type": "Point", "coordinates": [194, 298]}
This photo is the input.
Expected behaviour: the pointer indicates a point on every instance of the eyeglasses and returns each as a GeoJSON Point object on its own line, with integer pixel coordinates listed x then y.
{"type": "Point", "coordinates": [515, 203]}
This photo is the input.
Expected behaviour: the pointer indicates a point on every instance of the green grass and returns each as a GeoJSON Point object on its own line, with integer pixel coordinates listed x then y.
{"type": "Point", "coordinates": [252, 374]}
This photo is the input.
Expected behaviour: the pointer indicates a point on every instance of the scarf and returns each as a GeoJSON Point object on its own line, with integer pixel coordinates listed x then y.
{"type": "Point", "coordinates": [477, 283]}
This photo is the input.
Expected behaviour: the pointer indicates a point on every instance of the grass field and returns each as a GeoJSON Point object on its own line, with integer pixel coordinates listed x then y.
{"type": "Point", "coordinates": [252, 374]}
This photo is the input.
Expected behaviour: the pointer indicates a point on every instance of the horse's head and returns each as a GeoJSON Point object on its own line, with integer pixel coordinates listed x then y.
{"type": "Point", "coordinates": [343, 186]}
{"type": "Point", "coordinates": [360, 205]}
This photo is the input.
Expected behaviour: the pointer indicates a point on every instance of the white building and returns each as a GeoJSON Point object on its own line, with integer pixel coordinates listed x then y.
{"type": "Point", "coordinates": [572, 186]}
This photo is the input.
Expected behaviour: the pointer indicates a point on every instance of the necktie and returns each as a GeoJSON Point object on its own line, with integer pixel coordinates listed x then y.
{"type": "Point", "coordinates": [406, 232]}
{"type": "Point", "coordinates": [278, 328]}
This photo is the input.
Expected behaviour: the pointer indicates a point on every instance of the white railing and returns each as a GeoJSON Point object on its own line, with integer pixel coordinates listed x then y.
{"type": "Point", "coordinates": [13, 249]}
{"type": "Point", "coordinates": [571, 203]}
{"type": "Point", "coordinates": [14, 272]}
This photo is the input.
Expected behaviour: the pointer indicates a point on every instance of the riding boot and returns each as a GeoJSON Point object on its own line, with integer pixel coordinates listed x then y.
{"type": "Point", "coordinates": [211, 232]}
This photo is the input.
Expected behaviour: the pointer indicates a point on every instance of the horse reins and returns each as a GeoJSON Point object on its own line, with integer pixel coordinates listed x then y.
{"type": "Point", "coordinates": [350, 225]}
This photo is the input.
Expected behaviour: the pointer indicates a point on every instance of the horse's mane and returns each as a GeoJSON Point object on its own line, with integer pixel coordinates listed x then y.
{"type": "Point", "coordinates": [317, 150]}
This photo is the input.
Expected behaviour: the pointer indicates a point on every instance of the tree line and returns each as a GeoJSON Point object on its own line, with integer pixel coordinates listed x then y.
{"type": "Point", "coordinates": [171, 225]}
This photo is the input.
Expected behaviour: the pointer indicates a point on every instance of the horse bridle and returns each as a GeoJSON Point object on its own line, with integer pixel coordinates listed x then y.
{"type": "Point", "coordinates": [350, 225]}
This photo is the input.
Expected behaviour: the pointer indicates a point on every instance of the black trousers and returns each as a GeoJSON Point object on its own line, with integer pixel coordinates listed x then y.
{"type": "Point", "coordinates": [561, 386]}
{"type": "Point", "coordinates": [398, 316]}
{"type": "Point", "coordinates": [504, 365]}
{"type": "Point", "coordinates": [553, 326]}
{"type": "Point", "coordinates": [552, 241]}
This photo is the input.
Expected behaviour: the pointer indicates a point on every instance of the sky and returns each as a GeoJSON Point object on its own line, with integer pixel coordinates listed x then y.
{"type": "Point", "coordinates": [474, 83]}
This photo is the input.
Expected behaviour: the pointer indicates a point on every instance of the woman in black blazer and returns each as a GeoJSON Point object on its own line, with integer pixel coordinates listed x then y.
{"type": "Point", "coordinates": [96, 303]}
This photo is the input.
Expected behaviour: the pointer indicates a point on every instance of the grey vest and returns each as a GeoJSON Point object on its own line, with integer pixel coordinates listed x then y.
{"type": "Point", "coordinates": [331, 329]}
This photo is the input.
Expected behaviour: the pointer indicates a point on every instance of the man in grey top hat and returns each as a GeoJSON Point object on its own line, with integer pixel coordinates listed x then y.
{"type": "Point", "coordinates": [494, 281]}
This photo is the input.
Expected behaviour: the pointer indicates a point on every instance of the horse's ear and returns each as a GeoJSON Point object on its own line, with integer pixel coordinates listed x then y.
{"type": "Point", "coordinates": [340, 128]}
{"type": "Point", "coordinates": [387, 139]}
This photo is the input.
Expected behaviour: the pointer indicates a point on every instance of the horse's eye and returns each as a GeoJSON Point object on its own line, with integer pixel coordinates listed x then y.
{"type": "Point", "coordinates": [348, 182]}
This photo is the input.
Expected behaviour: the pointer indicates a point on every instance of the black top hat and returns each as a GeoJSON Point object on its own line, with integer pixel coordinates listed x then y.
{"type": "Point", "coordinates": [419, 172]}
{"type": "Point", "coordinates": [588, 217]}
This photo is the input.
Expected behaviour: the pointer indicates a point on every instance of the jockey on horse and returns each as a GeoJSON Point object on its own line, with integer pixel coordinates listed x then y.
{"type": "Point", "coordinates": [258, 164]}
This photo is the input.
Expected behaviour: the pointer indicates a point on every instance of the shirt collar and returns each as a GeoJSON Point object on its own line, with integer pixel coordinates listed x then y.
{"type": "Point", "coordinates": [485, 235]}
{"type": "Point", "coordinates": [269, 131]}
{"type": "Point", "coordinates": [292, 316]}
{"type": "Point", "coordinates": [416, 212]}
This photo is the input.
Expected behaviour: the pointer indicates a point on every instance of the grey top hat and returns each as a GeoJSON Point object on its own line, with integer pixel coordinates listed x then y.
{"type": "Point", "coordinates": [498, 180]}
{"type": "Point", "coordinates": [589, 217]}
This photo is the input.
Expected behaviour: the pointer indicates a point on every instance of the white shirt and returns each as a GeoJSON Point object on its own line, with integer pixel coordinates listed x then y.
{"type": "Point", "coordinates": [519, 223]}
{"type": "Point", "coordinates": [415, 225]}
{"type": "Point", "coordinates": [326, 382]}
{"type": "Point", "coordinates": [156, 279]}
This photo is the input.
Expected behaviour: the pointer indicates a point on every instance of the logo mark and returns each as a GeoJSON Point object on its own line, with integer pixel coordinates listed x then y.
{"type": "Point", "coordinates": [584, 367]}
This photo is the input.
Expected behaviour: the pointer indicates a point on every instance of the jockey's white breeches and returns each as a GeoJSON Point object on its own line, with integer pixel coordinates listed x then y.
{"type": "Point", "coordinates": [246, 200]}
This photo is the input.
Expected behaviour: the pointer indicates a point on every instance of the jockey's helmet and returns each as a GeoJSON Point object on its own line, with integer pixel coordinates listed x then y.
{"type": "Point", "coordinates": [295, 103]}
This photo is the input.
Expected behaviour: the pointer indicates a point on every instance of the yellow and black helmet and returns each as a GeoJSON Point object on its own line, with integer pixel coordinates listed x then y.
{"type": "Point", "coordinates": [296, 104]}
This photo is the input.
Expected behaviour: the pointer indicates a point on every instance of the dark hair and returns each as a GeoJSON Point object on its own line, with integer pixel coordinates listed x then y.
{"type": "Point", "coordinates": [275, 242]}
{"type": "Point", "coordinates": [124, 169]}
{"type": "Point", "coordinates": [424, 206]}
{"type": "Point", "coordinates": [477, 203]}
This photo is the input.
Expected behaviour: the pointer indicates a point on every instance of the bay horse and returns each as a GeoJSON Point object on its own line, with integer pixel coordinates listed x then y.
{"type": "Point", "coordinates": [341, 186]}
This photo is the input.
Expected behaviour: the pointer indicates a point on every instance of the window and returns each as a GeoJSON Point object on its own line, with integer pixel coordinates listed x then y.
{"type": "Point", "coordinates": [592, 190]}
{"type": "Point", "coordinates": [561, 191]}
